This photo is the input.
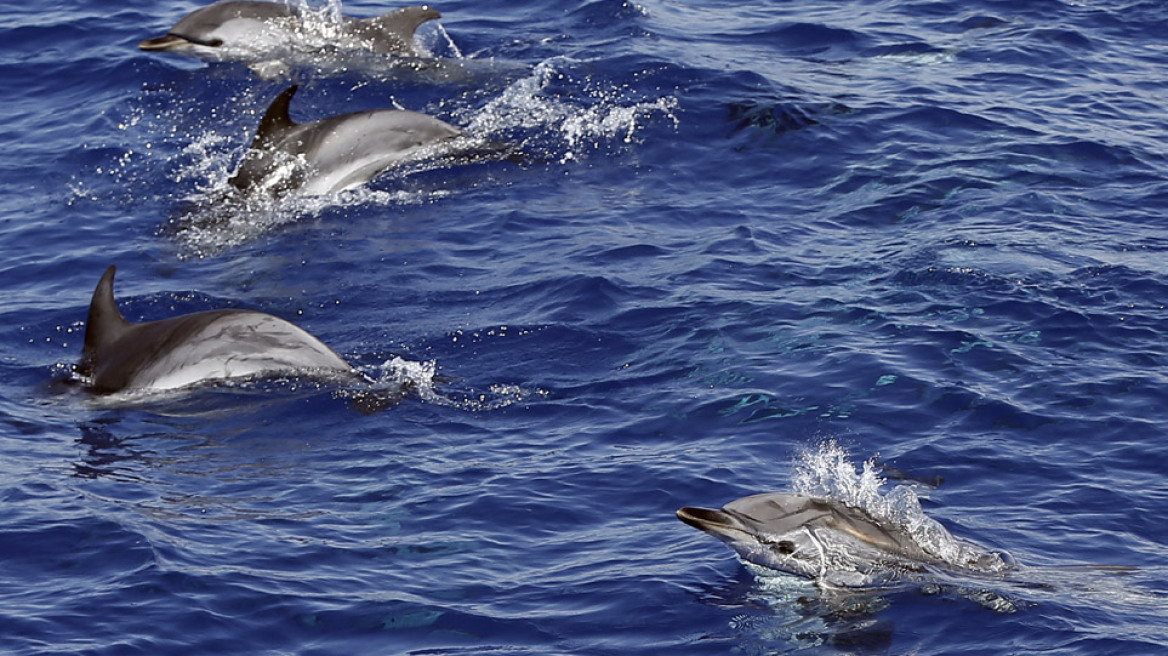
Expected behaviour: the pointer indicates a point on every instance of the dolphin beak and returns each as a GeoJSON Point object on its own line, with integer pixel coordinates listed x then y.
{"type": "Point", "coordinates": [168, 42]}
{"type": "Point", "coordinates": [698, 517]}
{"type": "Point", "coordinates": [715, 522]}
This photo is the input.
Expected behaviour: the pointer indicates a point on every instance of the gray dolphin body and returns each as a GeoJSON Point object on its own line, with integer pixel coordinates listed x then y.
{"type": "Point", "coordinates": [212, 32]}
{"type": "Point", "coordinates": [335, 153]}
{"type": "Point", "coordinates": [186, 350]}
{"type": "Point", "coordinates": [827, 541]}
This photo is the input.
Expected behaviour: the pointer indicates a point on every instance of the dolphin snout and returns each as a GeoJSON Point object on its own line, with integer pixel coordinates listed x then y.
{"type": "Point", "coordinates": [702, 518]}
{"type": "Point", "coordinates": [168, 42]}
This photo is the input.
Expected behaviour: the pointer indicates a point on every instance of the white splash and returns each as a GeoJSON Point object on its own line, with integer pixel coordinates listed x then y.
{"type": "Point", "coordinates": [214, 225]}
{"type": "Point", "coordinates": [418, 376]}
{"type": "Point", "coordinates": [588, 117]}
{"type": "Point", "coordinates": [422, 379]}
{"type": "Point", "coordinates": [830, 472]}
{"type": "Point", "coordinates": [321, 29]}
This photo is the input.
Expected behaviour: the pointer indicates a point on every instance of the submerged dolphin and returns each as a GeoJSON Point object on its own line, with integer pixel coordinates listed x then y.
{"type": "Point", "coordinates": [193, 348]}
{"type": "Point", "coordinates": [211, 32]}
{"type": "Point", "coordinates": [828, 541]}
{"type": "Point", "coordinates": [335, 153]}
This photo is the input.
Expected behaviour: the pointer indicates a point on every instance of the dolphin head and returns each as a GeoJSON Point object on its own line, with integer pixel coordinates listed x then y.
{"type": "Point", "coordinates": [815, 537]}
{"type": "Point", "coordinates": [203, 32]}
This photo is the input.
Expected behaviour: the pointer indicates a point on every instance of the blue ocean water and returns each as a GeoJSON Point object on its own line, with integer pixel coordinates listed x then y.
{"type": "Point", "coordinates": [931, 233]}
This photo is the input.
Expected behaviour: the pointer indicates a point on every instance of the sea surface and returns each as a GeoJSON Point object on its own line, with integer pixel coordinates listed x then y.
{"type": "Point", "coordinates": [917, 247]}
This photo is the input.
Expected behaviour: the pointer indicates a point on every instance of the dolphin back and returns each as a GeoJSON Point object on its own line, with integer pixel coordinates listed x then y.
{"type": "Point", "coordinates": [201, 21]}
{"type": "Point", "coordinates": [227, 344]}
{"type": "Point", "coordinates": [207, 346]}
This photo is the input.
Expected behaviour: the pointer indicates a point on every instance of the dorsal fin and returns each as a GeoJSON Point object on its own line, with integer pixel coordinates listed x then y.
{"type": "Point", "coordinates": [105, 323]}
{"type": "Point", "coordinates": [276, 120]}
{"type": "Point", "coordinates": [394, 31]}
{"type": "Point", "coordinates": [275, 124]}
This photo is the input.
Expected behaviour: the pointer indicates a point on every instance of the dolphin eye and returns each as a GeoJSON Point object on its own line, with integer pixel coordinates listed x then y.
{"type": "Point", "coordinates": [215, 43]}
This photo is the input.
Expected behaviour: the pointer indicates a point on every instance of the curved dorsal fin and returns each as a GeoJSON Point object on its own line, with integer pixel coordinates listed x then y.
{"type": "Point", "coordinates": [276, 120]}
{"type": "Point", "coordinates": [394, 31]}
{"type": "Point", "coordinates": [105, 323]}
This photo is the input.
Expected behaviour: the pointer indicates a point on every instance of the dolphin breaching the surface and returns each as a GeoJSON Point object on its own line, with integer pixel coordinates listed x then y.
{"type": "Point", "coordinates": [835, 544]}
{"type": "Point", "coordinates": [195, 348]}
{"type": "Point", "coordinates": [234, 29]}
{"type": "Point", "coordinates": [335, 153]}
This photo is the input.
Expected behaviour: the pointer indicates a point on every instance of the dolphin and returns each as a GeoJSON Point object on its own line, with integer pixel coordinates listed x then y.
{"type": "Point", "coordinates": [335, 153]}
{"type": "Point", "coordinates": [182, 351]}
{"type": "Point", "coordinates": [825, 540]}
{"type": "Point", "coordinates": [214, 31]}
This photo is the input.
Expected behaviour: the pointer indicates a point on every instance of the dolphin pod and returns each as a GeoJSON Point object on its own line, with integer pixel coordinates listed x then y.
{"type": "Point", "coordinates": [335, 153]}
{"type": "Point", "coordinates": [317, 157]}
{"type": "Point", "coordinates": [195, 348]}
{"type": "Point", "coordinates": [828, 541]}
{"type": "Point", "coordinates": [818, 538]}
{"type": "Point", "coordinates": [218, 31]}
